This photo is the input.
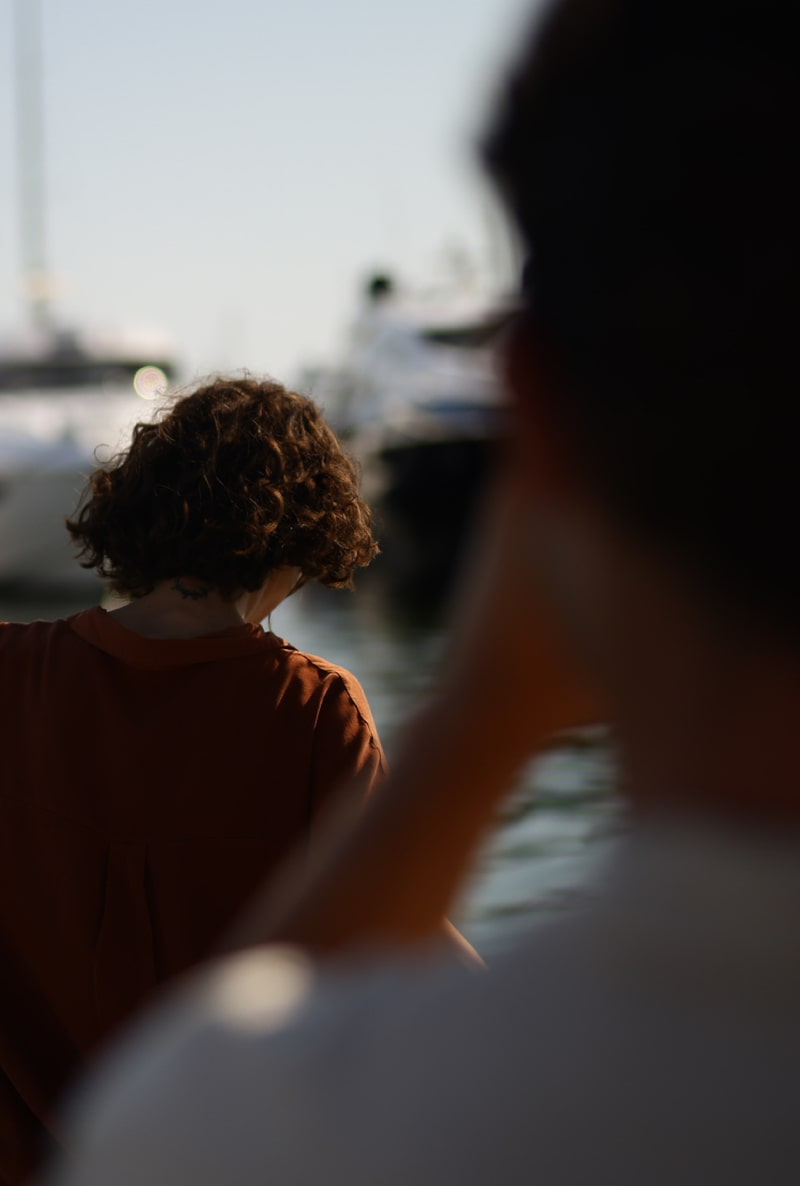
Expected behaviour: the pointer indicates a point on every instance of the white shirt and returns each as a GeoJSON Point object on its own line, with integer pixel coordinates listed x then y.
{"type": "Point", "coordinates": [652, 1037]}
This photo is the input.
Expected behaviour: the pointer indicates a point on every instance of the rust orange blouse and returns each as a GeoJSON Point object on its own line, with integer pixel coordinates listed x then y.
{"type": "Point", "coordinates": [147, 787]}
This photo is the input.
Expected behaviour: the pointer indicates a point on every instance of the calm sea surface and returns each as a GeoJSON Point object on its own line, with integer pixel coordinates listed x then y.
{"type": "Point", "coordinates": [552, 831]}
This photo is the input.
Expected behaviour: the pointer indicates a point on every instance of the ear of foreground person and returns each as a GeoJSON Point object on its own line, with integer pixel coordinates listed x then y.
{"type": "Point", "coordinates": [640, 533]}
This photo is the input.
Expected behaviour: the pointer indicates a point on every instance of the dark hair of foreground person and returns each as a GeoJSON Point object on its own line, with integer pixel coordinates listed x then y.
{"type": "Point", "coordinates": [647, 154]}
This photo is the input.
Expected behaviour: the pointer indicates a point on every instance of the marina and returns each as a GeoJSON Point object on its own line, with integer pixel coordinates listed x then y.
{"type": "Point", "coordinates": [398, 633]}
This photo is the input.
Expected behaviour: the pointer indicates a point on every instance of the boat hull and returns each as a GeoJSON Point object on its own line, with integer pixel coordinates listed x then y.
{"type": "Point", "coordinates": [425, 502]}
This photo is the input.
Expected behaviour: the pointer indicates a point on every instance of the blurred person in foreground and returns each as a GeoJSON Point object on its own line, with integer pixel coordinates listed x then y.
{"type": "Point", "coordinates": [646, 150]}
{"type": "Point", "coordinates": [159, 760]}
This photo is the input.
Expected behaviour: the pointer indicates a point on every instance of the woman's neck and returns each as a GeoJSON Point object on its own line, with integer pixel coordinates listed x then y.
{"type": "Point", "coordinates": [181, 607]}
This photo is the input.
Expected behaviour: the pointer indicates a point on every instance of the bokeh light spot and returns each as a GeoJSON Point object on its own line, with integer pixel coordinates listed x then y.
{"type": "Point", "coordinates": [150, 382]}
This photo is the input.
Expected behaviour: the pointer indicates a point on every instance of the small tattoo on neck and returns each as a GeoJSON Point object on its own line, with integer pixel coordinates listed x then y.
{"type": "Point", "coordinates": [196, 593]}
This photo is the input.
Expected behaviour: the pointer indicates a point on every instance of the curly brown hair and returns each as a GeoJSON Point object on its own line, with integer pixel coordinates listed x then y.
{"type": "Point", "coordinates": [237, 478]}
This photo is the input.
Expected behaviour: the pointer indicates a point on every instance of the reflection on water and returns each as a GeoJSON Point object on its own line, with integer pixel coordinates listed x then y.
{"type": "Point", "coordinates": [549, 835]}
{"type": "Point", "coordinates": [548, 840]}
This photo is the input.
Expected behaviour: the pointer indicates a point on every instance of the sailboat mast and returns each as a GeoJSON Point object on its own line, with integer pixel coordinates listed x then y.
{"type": "Point", "coordinates": [30, 158]}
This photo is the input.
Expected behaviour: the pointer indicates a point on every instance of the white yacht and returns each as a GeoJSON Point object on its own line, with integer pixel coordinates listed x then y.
{"type": "Point", "coordinates": [67, 402]}
{"type": "Point", "coordinates": [418, 401]}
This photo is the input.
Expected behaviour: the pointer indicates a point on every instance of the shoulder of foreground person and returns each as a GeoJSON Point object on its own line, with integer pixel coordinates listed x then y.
{"type": "Point", "coordinates": [271, 1067]}
{"type": "Point", "coordinates": [601, 1047]}
{"type": "Point", "coordinates": [630, 1041]}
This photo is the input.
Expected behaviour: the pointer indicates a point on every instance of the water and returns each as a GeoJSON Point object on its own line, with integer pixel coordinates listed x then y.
{"type": "Point", "coordinates": [549, 835]}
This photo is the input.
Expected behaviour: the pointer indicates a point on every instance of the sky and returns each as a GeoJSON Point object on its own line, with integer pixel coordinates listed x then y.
{"type": "Point", "coordinates": [228, 173]}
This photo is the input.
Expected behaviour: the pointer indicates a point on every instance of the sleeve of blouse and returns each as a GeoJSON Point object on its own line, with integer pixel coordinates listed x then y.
{"type": "Point", "coordinates": [347, 761]}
